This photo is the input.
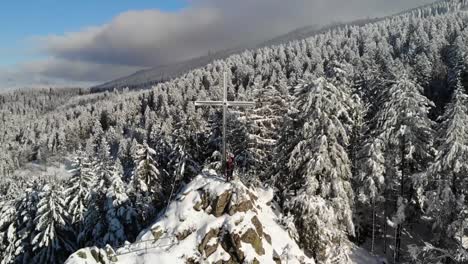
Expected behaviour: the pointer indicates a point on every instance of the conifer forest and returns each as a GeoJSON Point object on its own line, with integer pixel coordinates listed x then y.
{"type": "Point", "coordinates": [361, 132]}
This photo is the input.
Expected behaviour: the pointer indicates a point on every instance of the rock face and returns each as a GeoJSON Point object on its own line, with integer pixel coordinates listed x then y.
{"type": "Point", "coordinates": [210, 221]}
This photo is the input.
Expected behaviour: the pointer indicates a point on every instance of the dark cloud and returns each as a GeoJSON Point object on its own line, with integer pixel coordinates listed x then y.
{"type": "Point", "coordinates": [137, 39]}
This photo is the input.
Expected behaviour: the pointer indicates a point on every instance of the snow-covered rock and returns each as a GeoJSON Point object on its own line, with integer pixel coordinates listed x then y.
{"type": "Point", "coordinates": [210, 221]}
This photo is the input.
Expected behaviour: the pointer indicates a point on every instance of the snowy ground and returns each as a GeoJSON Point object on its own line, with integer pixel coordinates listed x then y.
{"type": "Point", "coordinates": [58, 168]}
{"type": "Point", "coordinates": [361, 256]}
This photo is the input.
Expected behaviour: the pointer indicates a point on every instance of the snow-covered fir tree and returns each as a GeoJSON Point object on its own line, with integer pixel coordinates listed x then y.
{"type": "Point", "coordinates": [318, 188]}
{"type": "Point", "coordinates": [146, 182]}
{"type": "Point", "coordinates": [79, 188]}
{"type": "Point", "coordinates": [400, 150]}
{"type": "Point", "coordinates": [26, 209]}
{"type": "Point", "coordinates": [8, 232]}
{"type": "Point", "coordinates": [52, 240]}
{"type": "Point", "coordinates": [447, 194]}
{"type": "Point", "coordinates": [120, 216]}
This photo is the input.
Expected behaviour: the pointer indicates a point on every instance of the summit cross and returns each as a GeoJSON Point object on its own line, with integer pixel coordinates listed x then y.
{"type": "Point", "coordinates": [225, 104]}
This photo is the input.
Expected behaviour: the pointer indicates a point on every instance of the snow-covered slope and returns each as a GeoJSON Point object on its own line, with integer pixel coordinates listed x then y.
{"type": "Point", "coordinates": [210, 221]}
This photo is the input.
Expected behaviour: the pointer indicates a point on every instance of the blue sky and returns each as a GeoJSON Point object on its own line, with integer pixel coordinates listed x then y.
{"type": "Point", "coordinates": [21, 20]}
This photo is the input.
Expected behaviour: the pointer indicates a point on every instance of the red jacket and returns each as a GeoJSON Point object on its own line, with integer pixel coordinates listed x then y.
{"type": "Point", "coordinates": [230, 163]}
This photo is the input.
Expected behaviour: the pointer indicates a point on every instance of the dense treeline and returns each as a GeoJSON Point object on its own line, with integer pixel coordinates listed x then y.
{"type": "Point", "coordinates": [361, 130]}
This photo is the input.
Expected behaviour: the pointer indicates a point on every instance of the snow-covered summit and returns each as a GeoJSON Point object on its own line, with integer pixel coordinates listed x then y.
{"type": "Point", "coordinates": [209, 221]}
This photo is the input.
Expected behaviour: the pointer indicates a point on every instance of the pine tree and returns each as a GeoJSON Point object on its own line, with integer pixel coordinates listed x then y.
{"type": "Point", "coordinates": [446, 199]}
{"type": "Point", "coordinates": [126, 154]}
{"type": "Point", "coordinates": [26, 208]}
{"type": "Point", "coordinates": [110, 218]}
{"type": "Point", "coordinates": [147, 175]}
{"type": "Point", "coordinates": [181, 166]}
{"type": "Point", "coordinates": [146, 183]}
{"type": "Point", "coordinates": [52, 237]}
{"type": "Point", "coordinates": [92, 229]}
{"type": "Point", "coordinates": [78, 189]}
{"type": "Point", "coordinates": [320, 171]}
{"type": "Point", "coordinates": [120, 217]}
{"type": "Point", "coordinates": [264, 122]}
{"type": "Point", "coordinates": [8, 229]}
{"type": "Point", "coordinates": [402, 140]}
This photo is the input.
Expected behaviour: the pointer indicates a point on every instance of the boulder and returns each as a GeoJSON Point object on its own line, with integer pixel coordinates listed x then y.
{"type": "Point", "coordinates": [276, 257]}
{"type": "Point", "coordinates": [252, 196]}
{"type": "Point", "coordinates": [251, 237]}
{"type": "Point", "coordinates": [191, 260]}
{"type": "Point", "coordinates": [221, 203]}
{"type": "Point", "coordinates": [210, 249]}
{"type": "Point", "coordinates": [184, 234]}
{"type": "Point", "coordinates": [111, 253]}
{"type": "Point", "coordinates": [82, 254]}
{"type": "Point", "coordinates": [243, 206]}
{"type": "Point", "coordinates": [157, 233]}
{"type": "Point", "coordinates": [203, 203]}
{"type": "Point", "coordinates": [258, 226]}
{"type": "Point", "coordinates": [99, 255]}
{"type": "Point", "coordinates": [267, 238]}
{"type": "Point", "coordinates": [203, 247]}
{"type": "Point", "coordinates": [235, 250]}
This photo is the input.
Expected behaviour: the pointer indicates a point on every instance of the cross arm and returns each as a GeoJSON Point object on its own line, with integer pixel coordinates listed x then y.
{"type": "Point", "coordinates": [241, 103]}
{"type": "Point", "coordinates": [200, 103]}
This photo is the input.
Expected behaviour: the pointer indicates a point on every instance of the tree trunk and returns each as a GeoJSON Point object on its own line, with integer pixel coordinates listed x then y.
{"type": "Point", "coordinates": [385, 229]}
{"type": "Point", "coordinates": [395, 246]}
{"type": "Point", "coordinates": [396, 253]}
{"type": "Point", "coordinates": [399, 227]}
{"type": "Point", "coordinates": [373, 225]}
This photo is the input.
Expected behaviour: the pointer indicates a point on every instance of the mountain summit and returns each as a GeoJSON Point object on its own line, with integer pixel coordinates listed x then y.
{"type": "Point", "coordinates": [209, 221]}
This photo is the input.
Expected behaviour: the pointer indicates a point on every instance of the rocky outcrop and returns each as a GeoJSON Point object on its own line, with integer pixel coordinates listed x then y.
{"type": "Point", "coordinates": [97, 255]}
{"type": "Point", "coordinates": [210, 221]}
{"type": "Point", "coordinates": [231, 202]}
{"type": "Point", "coordinates": [221, 203]}
{"type": "Point", "coordinates": [156, 232]}
{"type": "Point", "coordinates": [207, 248]}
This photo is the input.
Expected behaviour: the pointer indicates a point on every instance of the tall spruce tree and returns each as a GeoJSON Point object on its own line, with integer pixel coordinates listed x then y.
{"type": "Point", "coordinates": [120, 221]}
{"type": "Point", "coordinates": [53, 236]}
{"type": "Point", "coordinates": [447, 197]}
{"type": "Point", "coordinates": [320, 171]}
{"type": "Point", "coordinates": [146, 183]}
{"type": "Point", "coordinates": [400, 149]}
{"type": "Point", "coordinates": [78, 189]}
{"type": "Point", "coordinates": [26, 208]}
{"type": "Point", "coordinates": [8, 231]}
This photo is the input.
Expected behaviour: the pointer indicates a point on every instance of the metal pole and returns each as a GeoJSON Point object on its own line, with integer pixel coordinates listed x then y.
{"type": "Point", "coordinates": [224, 125]}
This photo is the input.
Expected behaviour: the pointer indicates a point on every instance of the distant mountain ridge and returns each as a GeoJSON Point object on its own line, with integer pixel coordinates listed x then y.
{"type": "Point", "coordinates": [152, 76]}
{"type": "Point", "coordinates": [149, 77]}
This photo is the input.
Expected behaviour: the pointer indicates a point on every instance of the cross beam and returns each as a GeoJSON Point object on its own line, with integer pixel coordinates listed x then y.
{"type": "Point", "coordinates": [225, 104]}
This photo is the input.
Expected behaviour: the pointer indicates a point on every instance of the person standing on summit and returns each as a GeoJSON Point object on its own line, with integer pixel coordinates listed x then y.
{"type": "Point", "coordinates": [229, 167]}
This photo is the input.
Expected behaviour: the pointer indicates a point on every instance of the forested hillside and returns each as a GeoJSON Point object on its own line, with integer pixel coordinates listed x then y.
{"type": "Point", "coordinates": [362, 131]}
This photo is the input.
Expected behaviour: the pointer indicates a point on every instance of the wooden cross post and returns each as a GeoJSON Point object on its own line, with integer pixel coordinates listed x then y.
{"type": "Point", "coordinates": [225, 104]}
